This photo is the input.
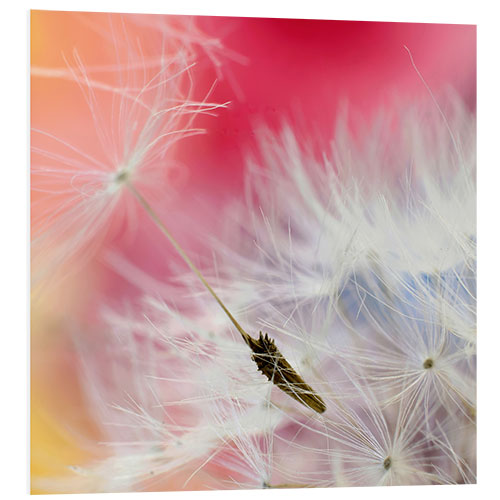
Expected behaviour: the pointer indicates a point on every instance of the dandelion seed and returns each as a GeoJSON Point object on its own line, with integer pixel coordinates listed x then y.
{"type": "Point", "coordinates": [101, 190]}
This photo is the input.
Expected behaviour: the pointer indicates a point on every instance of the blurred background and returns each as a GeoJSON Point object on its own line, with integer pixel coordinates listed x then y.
{"type": "Point", "coordinates": [270, 70]}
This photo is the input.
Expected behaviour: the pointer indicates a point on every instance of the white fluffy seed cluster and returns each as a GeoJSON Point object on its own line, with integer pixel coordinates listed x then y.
{"type": "Point", "coordinates": [360, 262]}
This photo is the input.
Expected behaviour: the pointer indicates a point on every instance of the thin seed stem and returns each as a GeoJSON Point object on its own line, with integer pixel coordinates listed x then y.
{"type": "Point", "coordinates": [187, 260]}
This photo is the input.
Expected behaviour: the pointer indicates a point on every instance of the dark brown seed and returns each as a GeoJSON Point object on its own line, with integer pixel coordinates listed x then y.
{"type": "Point", "coordinates": [428, 363]}
{"type": "Point", "coordinates": [276, 368]}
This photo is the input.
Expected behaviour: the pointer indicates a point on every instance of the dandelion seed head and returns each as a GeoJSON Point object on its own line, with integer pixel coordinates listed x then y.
{"type": "Point", "coordinates": [332, 264]}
